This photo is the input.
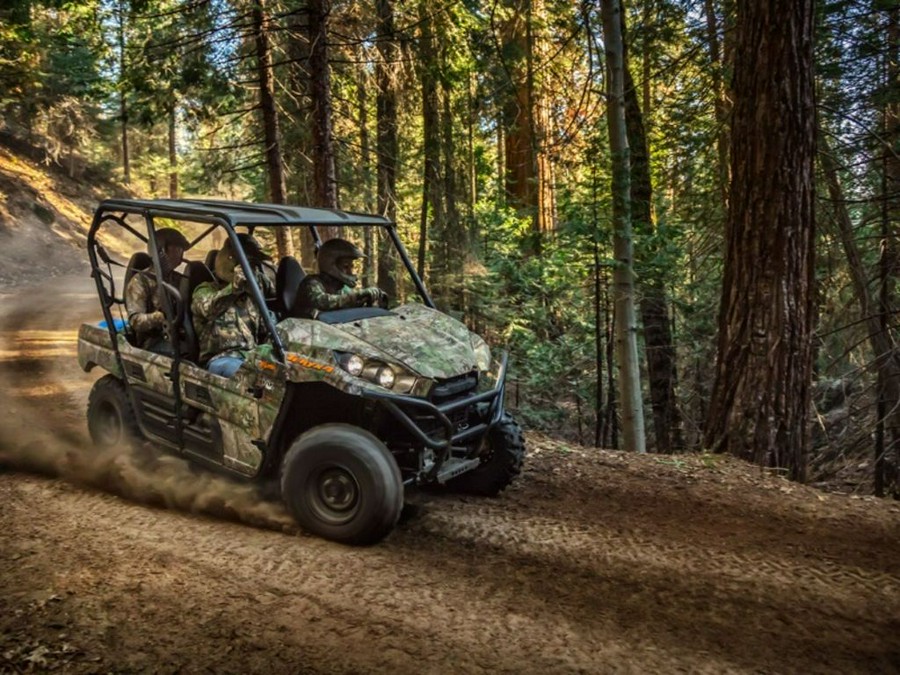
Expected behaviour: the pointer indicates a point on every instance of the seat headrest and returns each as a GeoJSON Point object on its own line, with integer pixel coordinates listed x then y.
{"type": "Point", "coordinates": [196, 273]}
{"type": "Point", "coordinates": [138, 262]}
{"type": "Point", "coordinates": [287, 283]}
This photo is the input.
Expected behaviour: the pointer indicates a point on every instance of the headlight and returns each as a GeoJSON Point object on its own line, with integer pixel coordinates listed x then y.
{"type": "Point", "coordinates": [385, 377]}
{"type": "Point", "coordinates": [376, 371]}
{"type": "Point", "coordinates": [482, 353]}
{"type": "Point", "coordinates": [355, 365]}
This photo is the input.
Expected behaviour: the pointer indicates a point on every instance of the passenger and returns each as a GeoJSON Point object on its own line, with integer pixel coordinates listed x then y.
{"type": "Point", "coordinates": [145, 314]}
{"type": "Point", "coordinates": [226, 317]}
{"type": "Point", "coordinates": [334, 286]}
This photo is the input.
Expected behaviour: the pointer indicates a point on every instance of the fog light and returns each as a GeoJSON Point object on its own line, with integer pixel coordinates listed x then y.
{"type": "Point", "coordinates": [385, 377]}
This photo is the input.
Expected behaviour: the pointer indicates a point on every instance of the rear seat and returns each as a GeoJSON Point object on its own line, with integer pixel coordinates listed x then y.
{"type": "Point", "coordinates": [195, 273]}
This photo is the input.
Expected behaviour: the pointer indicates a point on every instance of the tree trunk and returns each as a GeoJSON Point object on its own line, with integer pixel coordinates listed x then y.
{"type": "Point", "coordinates": [365, 173]}
{"type": "Point", "coordinates": [298, 149]}
{"type": "Point", "coordinates": [890, 232]}
{"type": "Point", "coordinates": [626, 321]}
{"type": "Point", "coordinates": [598, 333]}
{"type": "Point", "coordinates": [173, 154]}
{"type": "Point", "coordinates": [320, 89]}
{"type": "Point", "coordinates": [432, 212]}
{"type": "Point", "coordinates": [659, 350]}
{"type": "Point", "coordinates": [501, 159]}
{"type": "Point", "coordinates": [611, 425]}
{"type": "Point", "coordinates": [274, 165]}
{"type": "Point", "coordinates": [721, 105]}
{"type": "Point", "coordinates": [123, 105]}
{"type": "Point", "coordinates": [760, 403]}
{"type": "Point", "coordinates": [472, 191]}
{"type": "Point", "coordinates": [887, 357]}
{"type": "Point", "coordinates": [454, 230]}
{"type": "Point", "coordinates": [527, 175]}
{"type": "Point", "coordinates": [387, 145]}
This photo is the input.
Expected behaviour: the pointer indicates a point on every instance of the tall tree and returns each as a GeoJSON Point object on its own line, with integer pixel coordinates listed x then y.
{"type": "Point", "coordinates": [654, 305]}
{"type": "Point", "coordinates": [266, 79]}
{"type": "Point", "coordinates": [717, 65]}
{"type": "Point", "coordinates": [887, 474]}
{"type": "Point", "coordinates": [387, 145]}
{"type": "Point", "coordinates": [320, 89]}
{"type": "Point", "coordinates": [886, 353]}
{"type": "Point", "coordinates": [121, 28]}
{"type": "Point", "coordinates": [526, 167]}
{"type": "Point", "coordinates": [761, 396]}
{"type": "Point", "coordinates": [432, 211]}
{"type": "Point", "coordinates": [626, 319]}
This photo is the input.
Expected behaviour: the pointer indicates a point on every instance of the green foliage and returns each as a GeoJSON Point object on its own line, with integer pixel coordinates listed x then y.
{"type": "Point", "coordinates": [540, 307]}
{"type": "Point", "coordinates": [64, 76]}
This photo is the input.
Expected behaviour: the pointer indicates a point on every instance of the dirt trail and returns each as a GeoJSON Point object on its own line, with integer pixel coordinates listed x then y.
{"type": "Point", "coordinates": [593, 562]}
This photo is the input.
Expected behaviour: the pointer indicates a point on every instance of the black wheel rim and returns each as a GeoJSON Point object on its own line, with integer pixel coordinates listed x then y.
{"type": "Point", "coordinates": [333, 495]}
{"type": "Point", "coordinates": [108, 424]}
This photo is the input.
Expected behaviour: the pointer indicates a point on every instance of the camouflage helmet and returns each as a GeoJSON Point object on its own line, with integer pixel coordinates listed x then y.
{"type": "Point", "coordinates": [331, 252]}
{"type": "Point", "coordinates": [226, 258]}
{"type": "Point", "coordinates": [169, 236]}
{"type": "Point", "coordinates": [252, 248]}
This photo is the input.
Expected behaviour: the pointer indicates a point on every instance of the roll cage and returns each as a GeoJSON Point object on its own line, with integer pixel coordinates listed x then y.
{"type": "Point", "coordinates": [227, 215]}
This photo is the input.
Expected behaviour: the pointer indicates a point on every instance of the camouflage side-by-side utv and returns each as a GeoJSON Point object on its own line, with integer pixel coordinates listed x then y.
{"type": "Point", "coordinates": [340, 412]}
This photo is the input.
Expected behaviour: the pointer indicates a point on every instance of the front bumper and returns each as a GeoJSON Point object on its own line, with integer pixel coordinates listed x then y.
{"type": "Point", "coordinates": [406, 408]}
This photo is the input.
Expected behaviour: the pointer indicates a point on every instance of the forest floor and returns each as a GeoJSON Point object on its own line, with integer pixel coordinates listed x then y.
{"type": "Point", "coordinates": [594, 561]}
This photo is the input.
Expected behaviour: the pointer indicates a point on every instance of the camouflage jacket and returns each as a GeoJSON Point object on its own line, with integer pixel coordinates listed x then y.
{"type": "Point", "coordinates": [226, 318]}
{"type": "Point", "coordinates": [322, 293]}
{"type": "Point", "coordinates": [142, 303]}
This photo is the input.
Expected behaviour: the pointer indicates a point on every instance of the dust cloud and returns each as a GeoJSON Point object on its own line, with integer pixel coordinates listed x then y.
{"type": "Point", "coordinates": [143, 474]}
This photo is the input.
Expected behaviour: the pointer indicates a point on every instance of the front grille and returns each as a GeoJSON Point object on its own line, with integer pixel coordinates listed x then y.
{"type": "Point", "coordinates": [452, 388]}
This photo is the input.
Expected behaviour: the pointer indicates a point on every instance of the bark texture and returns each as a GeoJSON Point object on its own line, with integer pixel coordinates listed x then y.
{"type": "Point", "coordinates": [760, 402]}
{"type": "Point", "coordinates": [322, 114]}
{"type": "Point", "coordinates": [654, 306]}
{"type": "Point", "coordinates": [623, 276]}
{"type": "Point", "coordinates": [386, 142]}
{"type": "Point", "coordinates": [274, 162]}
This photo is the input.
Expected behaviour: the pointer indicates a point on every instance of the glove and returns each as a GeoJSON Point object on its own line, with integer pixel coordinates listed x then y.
{"type": "Point", "coordinates": [238, 280]}
{"type": "Point", "coordinates": [372, 296]}
{"type": "Point", "coordinates": [158, 318]}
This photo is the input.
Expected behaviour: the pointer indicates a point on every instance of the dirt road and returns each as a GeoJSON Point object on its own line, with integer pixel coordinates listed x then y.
{"type": "Point", "coordinates": [594, 561]}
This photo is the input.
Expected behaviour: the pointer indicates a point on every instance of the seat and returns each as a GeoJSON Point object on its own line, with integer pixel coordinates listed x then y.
{"type": "Point", "coordinates": [138, 262]}
{"type": "Point", "coordinates": [195, 273]}
{"type": "Point", "coordinates": [288, 278]}
{"type": "Point", "coordinates": [211, 260]}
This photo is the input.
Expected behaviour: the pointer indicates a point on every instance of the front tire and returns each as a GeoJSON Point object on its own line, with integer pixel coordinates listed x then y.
{"type": "Point", "coordinates": [341, 483]}
{"type": "Point", "coordinates": [111, 419]}
{"type": "Point", "coordinates": [500, 464]}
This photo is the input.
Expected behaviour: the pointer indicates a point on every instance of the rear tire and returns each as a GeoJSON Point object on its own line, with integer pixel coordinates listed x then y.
{"type": "Point", "coordinates": [341, 483]}
{"type": "Point", "coordinates": [500, 465]}
{"type": "Point", "coordinates": [111, 419]}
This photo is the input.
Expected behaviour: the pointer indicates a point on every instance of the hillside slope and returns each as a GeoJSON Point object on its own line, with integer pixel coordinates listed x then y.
{"type": "Point", "coordinates": [44, 218]}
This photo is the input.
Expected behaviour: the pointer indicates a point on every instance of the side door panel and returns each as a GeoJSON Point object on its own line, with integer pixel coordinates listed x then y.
{"type": "Point", "coordinates": [229, 409]}
{"type": "Point", "coordinates": [150, 381]}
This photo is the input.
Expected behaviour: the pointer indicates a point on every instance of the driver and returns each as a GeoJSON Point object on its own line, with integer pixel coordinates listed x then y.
{"type": "Point", "coordinates": [141, 299]}
{"type": "Point", "coordinates": [227, 319]}
{"type": "Point", "coordinates": [334, 287]}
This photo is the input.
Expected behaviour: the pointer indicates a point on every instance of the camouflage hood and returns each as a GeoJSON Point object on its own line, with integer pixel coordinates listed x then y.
{"type": "Point", "coordinates": [423, 340]}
